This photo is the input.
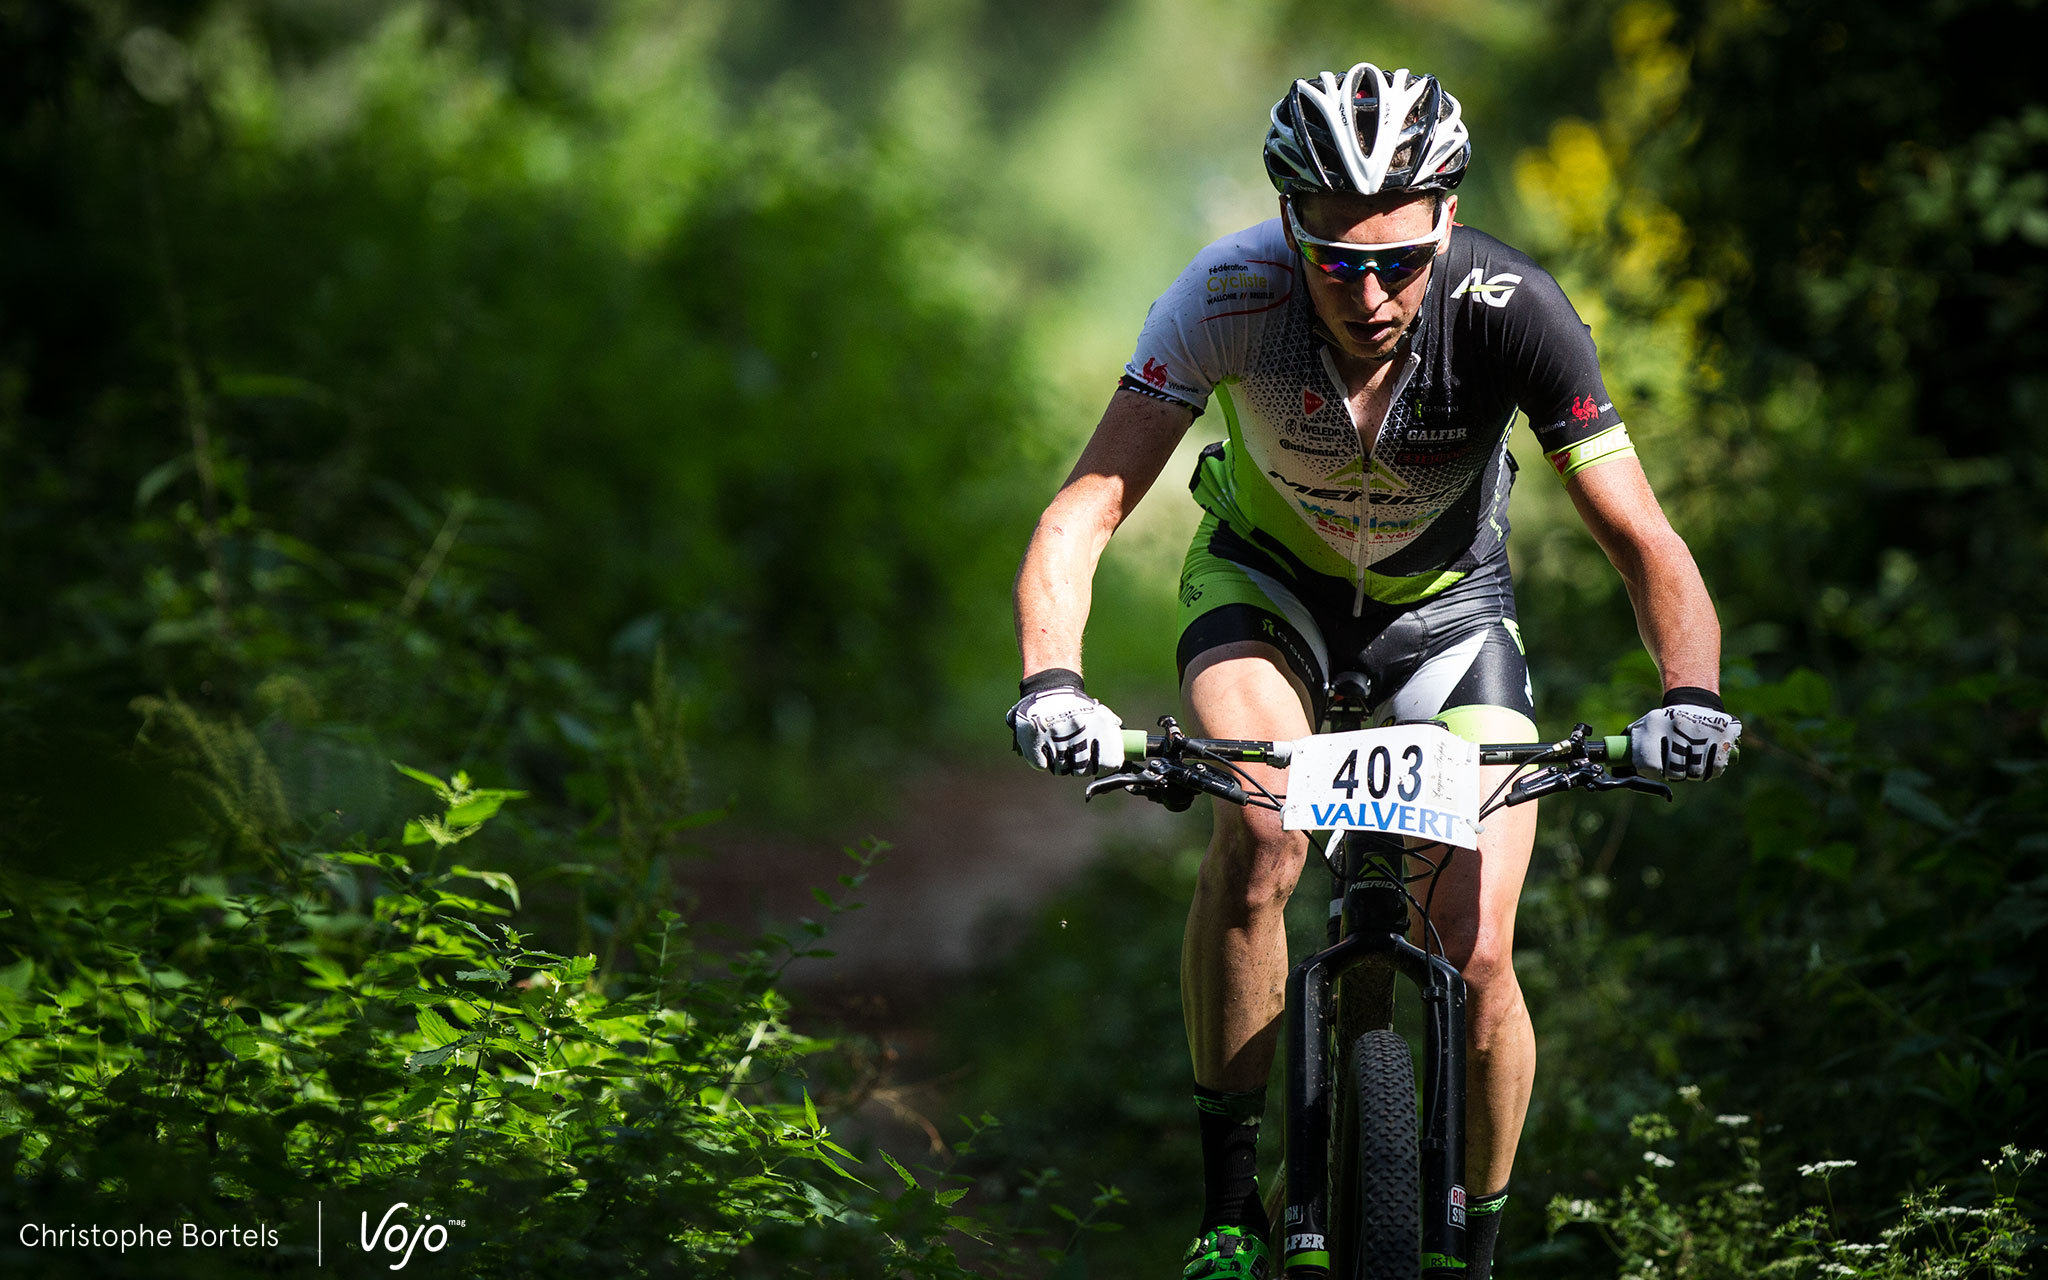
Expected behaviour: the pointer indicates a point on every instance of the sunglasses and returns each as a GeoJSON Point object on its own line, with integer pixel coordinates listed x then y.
{"type": "Point", "coordinates": [1395, 264]}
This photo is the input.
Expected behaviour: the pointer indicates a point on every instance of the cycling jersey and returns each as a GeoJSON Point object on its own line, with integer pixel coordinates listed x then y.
{"type": "Point", "coordinates": [1494, 334]}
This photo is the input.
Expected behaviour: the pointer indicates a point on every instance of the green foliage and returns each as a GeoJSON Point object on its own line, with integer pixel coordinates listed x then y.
{"type": "Point", "coordinates": [1833, 371]}
{"type": "Point", "coordinates": [698, 343]}
{"type": "Point", "coordinates": [1703, 1211]}
{"type": "Point", "coordinates": [188, 1046]}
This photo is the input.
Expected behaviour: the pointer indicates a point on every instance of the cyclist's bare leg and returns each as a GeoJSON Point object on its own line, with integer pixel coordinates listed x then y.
{"type": "Point", "coordinates": [1474, 912]}
{"type": "Point", "coordinates": [1233, 970]}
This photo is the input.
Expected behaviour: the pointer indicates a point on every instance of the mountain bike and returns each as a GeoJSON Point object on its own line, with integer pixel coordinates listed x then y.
{"type": "Point", "coordinates": [1370, 1193]}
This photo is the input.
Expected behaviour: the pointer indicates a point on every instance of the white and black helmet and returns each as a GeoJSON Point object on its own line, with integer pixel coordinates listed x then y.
{"type": "Point", "coordinates": [1365, 132]}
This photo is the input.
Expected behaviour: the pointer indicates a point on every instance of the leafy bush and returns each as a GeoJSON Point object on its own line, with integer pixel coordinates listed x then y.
{"type": "Point", "coordinates": [353, 1027]}
{"type": "Point", "coordinates": [1702, 1211]}
{"type": "Point", "coordinates": [293, 293]}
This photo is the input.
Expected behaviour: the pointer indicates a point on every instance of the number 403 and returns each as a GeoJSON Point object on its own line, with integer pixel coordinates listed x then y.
{"type": "Point", "coordinates": [1379, 774]}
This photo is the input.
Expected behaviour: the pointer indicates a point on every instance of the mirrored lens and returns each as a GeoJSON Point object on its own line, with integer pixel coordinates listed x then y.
{"type": "Point", "coordinates": [1394, 267]}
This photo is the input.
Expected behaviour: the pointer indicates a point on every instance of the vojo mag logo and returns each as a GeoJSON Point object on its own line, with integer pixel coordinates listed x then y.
{"type": "Point", "coordinates": [401, 1237]}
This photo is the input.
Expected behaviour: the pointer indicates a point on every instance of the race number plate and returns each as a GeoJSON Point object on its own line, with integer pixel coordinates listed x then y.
{"type": "Point", "coordinates": [1407, 780]}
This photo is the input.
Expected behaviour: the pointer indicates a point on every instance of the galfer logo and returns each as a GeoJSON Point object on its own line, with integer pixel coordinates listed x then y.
{"type": "Point", "coordinates": [1493, 292]}
{"type": "Point", "coordinates": [398, 1238]}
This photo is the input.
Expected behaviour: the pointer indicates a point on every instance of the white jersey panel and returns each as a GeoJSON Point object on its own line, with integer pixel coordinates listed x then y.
{"type": "Point", "coordinates": [1203, 329]}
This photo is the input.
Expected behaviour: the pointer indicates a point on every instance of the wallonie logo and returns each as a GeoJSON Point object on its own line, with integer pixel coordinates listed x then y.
{"type": "Point", "coordinates": [395, 1237]}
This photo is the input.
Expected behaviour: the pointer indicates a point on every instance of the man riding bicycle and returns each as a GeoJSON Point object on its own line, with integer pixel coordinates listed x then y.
{"type": "Point", "coordinates": [1368, 355]}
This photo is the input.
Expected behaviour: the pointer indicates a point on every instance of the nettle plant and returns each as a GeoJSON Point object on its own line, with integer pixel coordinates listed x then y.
{"type": "Point", "coordinates": [357, 1028]}
{"type": "Point", "coordinates": [1700, 1211]}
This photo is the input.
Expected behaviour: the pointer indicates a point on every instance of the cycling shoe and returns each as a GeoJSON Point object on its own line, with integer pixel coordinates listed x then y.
{"type": "Point", "coordinates": [1227, 1253]}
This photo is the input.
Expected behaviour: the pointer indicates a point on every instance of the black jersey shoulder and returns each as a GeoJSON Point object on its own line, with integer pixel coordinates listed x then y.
{"type": "Point", "coordinates": [1478, 281]}
{"type": "Point", "coordinates": [1504, 337]}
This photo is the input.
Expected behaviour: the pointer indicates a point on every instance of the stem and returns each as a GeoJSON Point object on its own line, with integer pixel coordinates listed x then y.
{"type": "Point", "coordinates": [459, 508]}
{"type": "Point", "coordinates": [661, 975]}
{"type": "Point", "coordinates": [476, 1067]}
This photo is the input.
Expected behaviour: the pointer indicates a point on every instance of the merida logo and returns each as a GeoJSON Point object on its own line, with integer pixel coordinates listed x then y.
{"type": "Point", "coordinates": [1493, 292]}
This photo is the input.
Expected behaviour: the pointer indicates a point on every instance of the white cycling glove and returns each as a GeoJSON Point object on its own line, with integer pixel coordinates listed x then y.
{"type": "Point", "coordinates": [1690, 737]}
{"type": "Point", "coordinates": [1059, 728]}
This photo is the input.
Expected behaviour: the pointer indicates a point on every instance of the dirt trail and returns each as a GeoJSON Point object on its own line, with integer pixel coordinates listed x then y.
{"type": "Point", "coordinates": [971, 847]}
{"type": "Point", "coordinates": [974, 851]}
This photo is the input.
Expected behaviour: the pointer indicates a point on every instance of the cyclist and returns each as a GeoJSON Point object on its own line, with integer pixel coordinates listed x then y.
{"type": "Point", "coordinates": [1368, 355]}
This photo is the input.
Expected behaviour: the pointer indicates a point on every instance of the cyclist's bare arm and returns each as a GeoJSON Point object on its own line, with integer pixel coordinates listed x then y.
{"type": "Point", "coordinates": [1130, 447]}
{"type": "Point", "coordinates": [1673, 612]}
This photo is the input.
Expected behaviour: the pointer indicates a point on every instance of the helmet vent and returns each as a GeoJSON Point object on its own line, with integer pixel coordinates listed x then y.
{"type": "Point", "coordinates": [1365, 132]}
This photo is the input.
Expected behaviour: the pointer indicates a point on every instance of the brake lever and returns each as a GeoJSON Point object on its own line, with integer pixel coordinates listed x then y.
{"type": "Point", "coordinates": [1120, 782]}
{"type": "Point", "coordinates": [1147, 783]}
{"type": "Point", "coordinates": [1631, 782]}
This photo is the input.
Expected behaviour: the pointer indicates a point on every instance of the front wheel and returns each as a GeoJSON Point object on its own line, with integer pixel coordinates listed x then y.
{"type": "Point", "coordinates": [1379, 1235]}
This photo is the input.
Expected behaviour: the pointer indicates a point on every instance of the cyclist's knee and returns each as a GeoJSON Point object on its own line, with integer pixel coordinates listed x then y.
{"type": "Point", "coordinates": [1484, 954]}
{"type": "Point", "coordinates": [1252, 864]}
{"type": "Point", "coordinates": [1494, 1011]}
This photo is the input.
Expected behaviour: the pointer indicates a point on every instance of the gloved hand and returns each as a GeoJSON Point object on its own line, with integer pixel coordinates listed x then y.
{"type": "Point", "coordinates": [1058, 727]}
{"type": "Point", "coordinates": [1690, 737]}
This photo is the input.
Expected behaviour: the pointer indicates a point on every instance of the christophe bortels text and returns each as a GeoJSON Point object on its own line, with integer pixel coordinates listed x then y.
{"type": "Point", "coordinates": [186, 1235]}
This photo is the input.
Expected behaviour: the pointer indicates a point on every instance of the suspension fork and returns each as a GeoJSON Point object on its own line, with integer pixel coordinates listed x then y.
{"type": "Point", "coordinates": [1305, 1235]}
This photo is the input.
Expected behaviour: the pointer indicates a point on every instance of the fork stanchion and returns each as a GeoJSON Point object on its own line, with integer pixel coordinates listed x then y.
{"type": "Point", "coordinates": [1304, 1231]}
{"type": "Point", "coordinates": [1443, 1130]}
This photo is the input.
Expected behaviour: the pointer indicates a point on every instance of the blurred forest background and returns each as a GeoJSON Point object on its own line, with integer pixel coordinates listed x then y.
{"type": "Point", "coordinates": [643, 406]}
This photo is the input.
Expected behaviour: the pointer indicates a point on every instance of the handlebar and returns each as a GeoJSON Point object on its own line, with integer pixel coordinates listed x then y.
{"type": "Point", "coordinates": [1140, 745]}
{"type": "Point", "coordinates": [1170, 767]}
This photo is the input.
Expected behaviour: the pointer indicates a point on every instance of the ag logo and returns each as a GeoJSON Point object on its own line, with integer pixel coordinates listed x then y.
{"type": "Point", "coordinates": [1494, 292]}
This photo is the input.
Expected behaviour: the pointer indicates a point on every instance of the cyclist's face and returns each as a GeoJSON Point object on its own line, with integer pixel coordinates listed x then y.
{"type": "Point", "coordinates": [1366, 320]}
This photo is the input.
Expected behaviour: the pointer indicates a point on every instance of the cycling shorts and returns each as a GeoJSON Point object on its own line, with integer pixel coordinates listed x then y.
{"type": "Point", "coordinates": [1455, 656]}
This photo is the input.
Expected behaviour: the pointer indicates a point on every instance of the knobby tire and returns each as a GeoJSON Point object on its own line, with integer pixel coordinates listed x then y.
{"type": "Point", "coordinates": [1379, 1233]}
